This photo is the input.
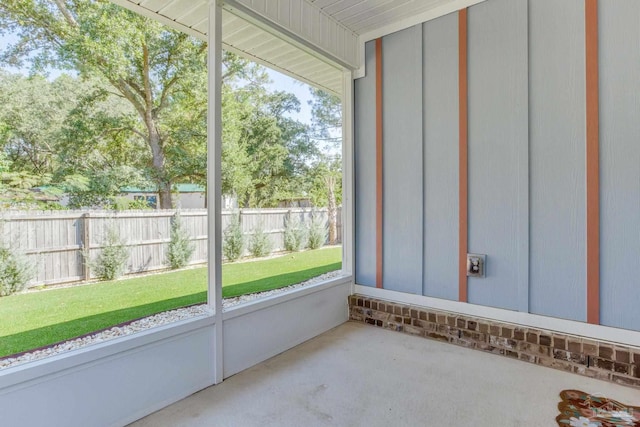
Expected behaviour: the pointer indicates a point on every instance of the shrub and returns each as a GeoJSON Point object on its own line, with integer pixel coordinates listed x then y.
{"type": "Point", "coordinates": [112, 259]}
{"type": "Point", "coordinates": [260, 244]}
{"type": "Point", "coordinates": [294, 234]}
{"type": "Point", "coordinates": [181, 247]}
{"type": "Point", "coordinates": [15, 271]}
{"type": "Point", "coordinates": [317, 232]}
{"type": "Point", "coordinates": [138, 204]}
{"type": "Point", "coordinates": [233, 241]}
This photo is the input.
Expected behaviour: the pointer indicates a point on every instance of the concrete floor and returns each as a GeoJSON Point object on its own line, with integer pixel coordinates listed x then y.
{"type": "Point", "coordinates": [359, 375]}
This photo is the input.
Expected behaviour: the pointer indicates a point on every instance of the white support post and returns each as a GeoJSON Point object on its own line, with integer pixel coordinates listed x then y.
{"type": "Point", "coordinates": [214, 187]}
{"type": "Point", "coordinates": [348, 231]}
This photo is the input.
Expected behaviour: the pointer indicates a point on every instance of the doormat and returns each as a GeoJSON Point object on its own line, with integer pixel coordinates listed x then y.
{"type": "Point", "coordinates": [580, 409]}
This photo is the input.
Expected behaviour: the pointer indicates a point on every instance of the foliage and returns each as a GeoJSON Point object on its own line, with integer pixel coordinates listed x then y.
{"type": "Point", "coordinates": [32, 112]}
{"type": "Point", "coordinates": [233, 241]}
{"type": "Point", "coordinates": [15, 271]}
{"type": "Point", "coordinates": [326, 177]}
{"type": "Point", "coordinates": [265, 154]}
{"type": "Point", "coordinates": [152, 67]}
{"type": "Point", "coordinates": [98, 142]}
{"type": "Point", "coordinates": [104, 189]}
{"type": "Point", "coordinates": [135, 102]}
{"type": "Point", "coordinates": [181, 247]}
{"type": "Point", "coordinates": [16, 189]}
{"type": "Point", "coordinates": [260, 243]}
{"type": "Point", "coordinates": [24, 190]}
{"type": "Point", "coordinates": [326, 171]}
{"type": "Point", "coordinates": [125, 203]}
{"type": "Point", "coordinates": [42, 318]}
{"type": "Point", "coordinates": [326, 115]}
{"type": "Point", "coordinates": [294, 234]}
{"type": "Point", "coordinates": [56, 138]}
{"type": "Point", "coordinates": [326, 190]}
{"type": "Point", "coordinates": [317, 232]}
{"type": "Point", "coordinates": [326, 181]}
{"type": "Point", "coordinates": [112, 259]}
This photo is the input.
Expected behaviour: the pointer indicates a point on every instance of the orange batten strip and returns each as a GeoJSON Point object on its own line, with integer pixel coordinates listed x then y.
{"type": "Point", "coordinates": [379, 182]}
{"type": "Point", "coordinates": [463, 163]}
{"type": "Point", "coordinates": [593, 163]}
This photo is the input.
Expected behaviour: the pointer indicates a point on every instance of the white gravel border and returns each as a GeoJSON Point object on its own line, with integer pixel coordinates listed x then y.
{"type": "Point", "coordinates": [151, 322]}
{"type": "Point", "coordinates": [228, 303]}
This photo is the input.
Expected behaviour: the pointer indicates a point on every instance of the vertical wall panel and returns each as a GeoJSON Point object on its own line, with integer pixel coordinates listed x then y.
{"type": "Point", "coordinates": [402, 160]}
{"type": "Point", "coordinates": [498, 151]}
{"type": "Point", "coordinates": [440, 130]}
{"type": "Point", "coordinates": [365, 172]}
{"type": "Point", "coordinates": [379, 166]}
{"type": "Point", "coordinates": [619, 23]}
{"type": "Point", "coordinates": [557, 141]}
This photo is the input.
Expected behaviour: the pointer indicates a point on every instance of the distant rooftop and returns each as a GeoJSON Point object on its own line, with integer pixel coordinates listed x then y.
{"type": "Point", "coordinates": [180, 188]}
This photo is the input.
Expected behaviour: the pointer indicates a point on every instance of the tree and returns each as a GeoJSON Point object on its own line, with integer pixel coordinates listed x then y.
{"type": "Point", "coordinates": [24, 189]}
{"type": "Point", "coordinates": [162, 76]}
{"type": "Point", "coordinates": [99, 144]}
{"type": "Point", "coordinates": [145, 63]}
{"type": "Point", "coordinates": [15, 187]}
{"type": "Point", "coordinates": [326, 190]}
{"type": "Point", "coordinates": [263, 150]}
{"type": "Point", "coordinates": [69, 135]}
{"type": "Point", "coordinates": [265, 153]}
{"type": "Point", "coordinates": [32, 111]}
{"type": "Point", "coordinates": [326, 116]}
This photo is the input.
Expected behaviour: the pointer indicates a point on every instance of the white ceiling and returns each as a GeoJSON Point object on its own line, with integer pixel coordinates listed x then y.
{"type": "Point", "coordinates": [249, 40]}
{"type": "Point", "coordinates": [363, 16]}
{"type": "Point", "coordinates": [244, 38]}
{"type": "Point", "coordinates": [359, 18]}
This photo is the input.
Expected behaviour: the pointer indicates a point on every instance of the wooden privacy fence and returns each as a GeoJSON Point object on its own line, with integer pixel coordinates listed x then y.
{"type": "Point", "coordinates": [54, 241]}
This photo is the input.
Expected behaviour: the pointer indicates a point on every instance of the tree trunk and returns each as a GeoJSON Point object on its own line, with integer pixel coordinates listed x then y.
{"type": "Point", "coordinates": [165, 200]}
{"type": "Point", "coordinates": [332, 210]}
{"type": "Point", "coordinates": [162, 181]}
{"type": "Point", "coordinates": [155, 139]}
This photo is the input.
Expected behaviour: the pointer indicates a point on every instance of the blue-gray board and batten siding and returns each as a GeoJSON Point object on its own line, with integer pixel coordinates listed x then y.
{"type": "Point", "coordinates": [557, 152]}
{"type": "Point", "coordinates": [440, 123]}
{"type": "Point", "coordinates": [619, 22]}
{"type": "Point", "coordinates": [498, 131]}
{"type": "Point", "coordinates": [402, 189]}
{"type": "Point", "coordinates": [526, 158]}
{"type": "Point", "coordinates": [365, 172]}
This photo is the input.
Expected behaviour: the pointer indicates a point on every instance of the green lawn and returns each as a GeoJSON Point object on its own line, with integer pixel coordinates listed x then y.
{"type": "Point", "coordinates": [33, 320]}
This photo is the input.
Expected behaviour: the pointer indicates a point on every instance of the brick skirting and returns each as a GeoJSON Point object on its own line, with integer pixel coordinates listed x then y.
{"type": "Point", "coordinates": [580, 355]}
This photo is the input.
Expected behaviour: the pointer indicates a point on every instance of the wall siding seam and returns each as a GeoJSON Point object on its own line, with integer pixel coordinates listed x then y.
{"type": "Point", "coordinates": [524, 208]}
{"type": "Point", "coordinates": [423, 145]}
{"type": "Point", "coordinates": [379, 166]}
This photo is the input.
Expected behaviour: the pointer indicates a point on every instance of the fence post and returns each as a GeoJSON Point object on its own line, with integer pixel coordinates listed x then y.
{"type": "Point", "coordinates": [86, 245]}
